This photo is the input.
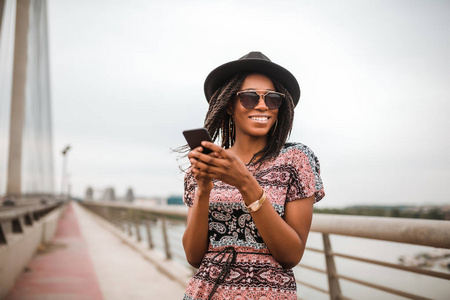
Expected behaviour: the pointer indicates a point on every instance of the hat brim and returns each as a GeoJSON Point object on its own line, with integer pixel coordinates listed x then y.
{"type": "Point", "coordinates": [221, 74]}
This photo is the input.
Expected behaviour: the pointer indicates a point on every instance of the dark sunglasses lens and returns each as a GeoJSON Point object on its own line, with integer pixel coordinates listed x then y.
{"type": "Point", "coordinates": [249, 99]}
{"type": "Point", "coordinates": [273, 101]}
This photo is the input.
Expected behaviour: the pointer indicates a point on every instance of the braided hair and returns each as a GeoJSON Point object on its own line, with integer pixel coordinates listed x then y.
{"type": "Point", "coordinates": [219, 122]}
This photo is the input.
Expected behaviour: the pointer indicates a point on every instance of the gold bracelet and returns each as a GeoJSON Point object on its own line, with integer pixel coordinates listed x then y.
{"type": "Point", "coordinates": [254, 206]}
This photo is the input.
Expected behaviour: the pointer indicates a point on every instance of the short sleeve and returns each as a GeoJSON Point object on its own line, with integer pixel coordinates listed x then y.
{"type": "Point", "coordinates": [190, 184]}
{"type": "Point", "coordinates": [305, 178]}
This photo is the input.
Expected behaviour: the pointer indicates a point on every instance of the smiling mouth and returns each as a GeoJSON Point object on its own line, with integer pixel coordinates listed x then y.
{"type": "Point", "coordinates": [259, 119]}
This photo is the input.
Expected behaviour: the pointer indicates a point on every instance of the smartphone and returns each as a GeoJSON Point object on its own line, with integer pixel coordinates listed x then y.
{"type": "Point", "coordinates": [195, 137]}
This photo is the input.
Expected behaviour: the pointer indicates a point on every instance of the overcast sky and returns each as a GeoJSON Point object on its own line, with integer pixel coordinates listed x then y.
{"type": "Point", "coordinates": [127, 78]}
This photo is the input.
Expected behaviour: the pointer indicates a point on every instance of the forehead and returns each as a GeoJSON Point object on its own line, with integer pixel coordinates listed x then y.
{"type": "Point", "coordinates": [258, 82]}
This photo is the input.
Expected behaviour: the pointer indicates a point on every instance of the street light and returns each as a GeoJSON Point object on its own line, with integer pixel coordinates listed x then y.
{"type": "Point", "coordinates": [63, 174]}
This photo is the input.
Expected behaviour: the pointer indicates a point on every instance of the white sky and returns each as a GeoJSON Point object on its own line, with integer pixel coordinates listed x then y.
{"type": "Point", "coordinates": [127, 78]}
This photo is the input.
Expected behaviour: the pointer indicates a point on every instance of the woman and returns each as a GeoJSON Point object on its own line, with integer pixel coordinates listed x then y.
{"type": "Point", "coordinates": [250, 200]}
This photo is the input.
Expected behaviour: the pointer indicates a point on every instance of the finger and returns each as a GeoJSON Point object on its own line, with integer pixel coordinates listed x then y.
{"type": "Point", "coordinates": [198, 164]}
{"type": "Point", "coordinates": [201, 165]}
{"type": "Point", "coordinates": [200, 174]}
{"type": "Point", "coordinates": [192, 161]}
{"type": "Point", "coordinates": [205, 158]}
{"type": "Point", "coordinates": [214, 148]}
{"type": "Point", "coordinates": [191, 154]}
{"type": "Point", "coordinates": [209, 172]}
{"type": "Point", "coordinates": [195, 150]}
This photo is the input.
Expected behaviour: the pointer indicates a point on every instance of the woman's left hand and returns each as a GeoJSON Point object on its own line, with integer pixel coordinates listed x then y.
{"type": "Point", "coordinates": [224, 165]}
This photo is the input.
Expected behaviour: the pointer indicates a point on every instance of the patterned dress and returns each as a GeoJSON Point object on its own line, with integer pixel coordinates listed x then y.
{"type": "Point", "coordinates": [238, 264]}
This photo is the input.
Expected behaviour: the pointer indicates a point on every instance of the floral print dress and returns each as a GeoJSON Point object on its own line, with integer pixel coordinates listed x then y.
{"type": "Point", "coordinates": [238, 264]}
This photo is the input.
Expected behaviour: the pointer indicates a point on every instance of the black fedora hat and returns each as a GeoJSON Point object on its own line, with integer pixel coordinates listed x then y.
{"type": "Point", "coordinates": [253, 62]}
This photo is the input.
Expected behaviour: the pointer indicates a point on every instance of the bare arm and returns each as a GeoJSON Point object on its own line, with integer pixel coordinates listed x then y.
{"type": "Point", "coordinates": [195, 237]}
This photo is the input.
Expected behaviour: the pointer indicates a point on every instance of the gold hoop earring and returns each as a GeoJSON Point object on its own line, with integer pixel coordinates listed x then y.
{"type": "Point", "coordinates": [274, 127]}
{"type": "Point", "coordinates": [231, 130]}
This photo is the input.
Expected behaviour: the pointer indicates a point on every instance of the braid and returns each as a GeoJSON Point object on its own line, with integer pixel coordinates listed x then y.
{"type": "Point", "coordinates": [217, 120]}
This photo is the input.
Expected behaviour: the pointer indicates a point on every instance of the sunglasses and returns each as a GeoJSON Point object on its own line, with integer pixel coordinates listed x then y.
{"type": "Point", "coordinates": [250, 98]}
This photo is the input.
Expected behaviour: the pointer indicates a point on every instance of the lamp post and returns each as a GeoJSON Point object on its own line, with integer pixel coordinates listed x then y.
{"type": "Point", "coordinates": [63, 174]}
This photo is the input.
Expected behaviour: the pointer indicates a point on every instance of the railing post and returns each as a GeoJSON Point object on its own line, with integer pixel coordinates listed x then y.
{"type": "Point", "coordinates": [3, 240]}
{"type": "Point", "coordinates": [333, 281]}
{"type": "Point", "coordinates": [129, 222]}
{"type": "Point", "coordinates": [117, 219]}
{"type": "Point", "coordinates": [166, 238]}
{"type": "Point", "coordinates": [123, 219]}
{"type": "Point", "coordinates": [28, 219]}
{"type": "Point", "coordinates": [104, 213]}
{"type": "Point", "coordinates": [17, 225]}
{"type": "Point", "coordinates": [108, 215]}
{"type": "Point", "coordinates": [149, 235]}
{"type": "Point", "coordinates": [137, 224]}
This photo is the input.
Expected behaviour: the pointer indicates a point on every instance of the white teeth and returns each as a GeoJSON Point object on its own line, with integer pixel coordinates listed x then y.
{"type": "Point", "coordinates": [259, 118]}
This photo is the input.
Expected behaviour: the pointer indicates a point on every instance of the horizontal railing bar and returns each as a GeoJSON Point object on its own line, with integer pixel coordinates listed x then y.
{"type": "Point", "coordinates": [312, 286]}
{"type": "Point", "coordinates": [174, 221]}
{"type": "Point", "coordinates": [387, 264]}
{"type": "Point", "coordinates": [433, 233]}
{"type": "Point", "coordinates": [312, 268]}
{"type": "Point", "coordinates": [395, 266]}
{"type": "Point", "coordinates": [382, 288]}
{"type": "Point", "coordinates": [178, 211]}
{"type": "Point", "coordinates": [15, 213]}
{"type": "Point", "coordinates": [314, 249]}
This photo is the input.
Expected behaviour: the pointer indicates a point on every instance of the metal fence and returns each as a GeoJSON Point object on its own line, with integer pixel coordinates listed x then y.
{"type": "Point", "coordinates": [133, 219]}
{"type": "Point", "coordinates": [14, 219]}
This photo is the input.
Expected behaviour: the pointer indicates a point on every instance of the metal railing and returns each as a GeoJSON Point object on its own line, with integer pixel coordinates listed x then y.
{"type": "Point", "coordinates": [14, 219]}
{"type": "Point", "coordinates": [144, 221]}
{"type": "Point", "coordinates": [132, 219]}
{"type": "Point", "coordinates": [430, 233]}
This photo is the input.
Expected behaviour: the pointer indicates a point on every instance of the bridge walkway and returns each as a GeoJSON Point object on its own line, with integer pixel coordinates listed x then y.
{"type": "Point", "coordinates": [86, 261]}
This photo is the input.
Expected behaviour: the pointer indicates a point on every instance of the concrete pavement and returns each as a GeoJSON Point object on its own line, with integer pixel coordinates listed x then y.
{"type": "Point", "coordinates": [86, 261]}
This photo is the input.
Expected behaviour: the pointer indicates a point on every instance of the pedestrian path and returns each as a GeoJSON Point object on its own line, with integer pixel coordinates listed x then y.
{"type": "Point", "coordinates": [86, 261]}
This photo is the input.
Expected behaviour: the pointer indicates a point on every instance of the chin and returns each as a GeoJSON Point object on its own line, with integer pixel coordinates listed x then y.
{"type": "Point", "coordinates": [260, 132]}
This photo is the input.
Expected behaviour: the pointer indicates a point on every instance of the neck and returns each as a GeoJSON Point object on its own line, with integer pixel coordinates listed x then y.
{"type": "Point", "coordinates": [246, 146]}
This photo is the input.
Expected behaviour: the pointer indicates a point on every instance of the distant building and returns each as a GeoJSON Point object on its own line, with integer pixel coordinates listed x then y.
{"type": "Point", "coordinates": [129, 197]}
{"type": "Point", "coordinates": [175, 200]}
{"type": "Point", "coordinates": [89, 196]}
{"type": "Point", "coordinates": [109, 195]}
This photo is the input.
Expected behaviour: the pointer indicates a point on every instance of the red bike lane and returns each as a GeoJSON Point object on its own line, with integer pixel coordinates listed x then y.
{"type": "Point", "coordinates": [60, 270]}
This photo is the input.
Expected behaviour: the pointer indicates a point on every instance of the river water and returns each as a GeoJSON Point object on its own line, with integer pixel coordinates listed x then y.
{"type": "Point", "coordinates": [433, 288]}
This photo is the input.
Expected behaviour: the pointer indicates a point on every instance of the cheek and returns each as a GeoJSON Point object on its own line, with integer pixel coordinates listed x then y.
{"type": "Point", "coordinates": [275, 115]}
{"type": "Point", "coordinates": [238, 110]}
{"type": "Point", "coordinates": [239, 119]}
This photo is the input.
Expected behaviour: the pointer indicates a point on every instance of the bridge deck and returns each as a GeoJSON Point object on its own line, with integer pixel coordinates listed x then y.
{"type": "Point", "coordinates": [85, 261]}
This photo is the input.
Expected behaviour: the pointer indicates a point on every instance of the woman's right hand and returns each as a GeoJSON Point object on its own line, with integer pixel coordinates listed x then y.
{"type": "Point", "coordinates": [204, 184]}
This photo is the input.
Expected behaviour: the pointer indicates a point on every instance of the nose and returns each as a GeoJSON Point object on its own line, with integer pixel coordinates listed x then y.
{"type": "Point", "coordinates": [262, 103]}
